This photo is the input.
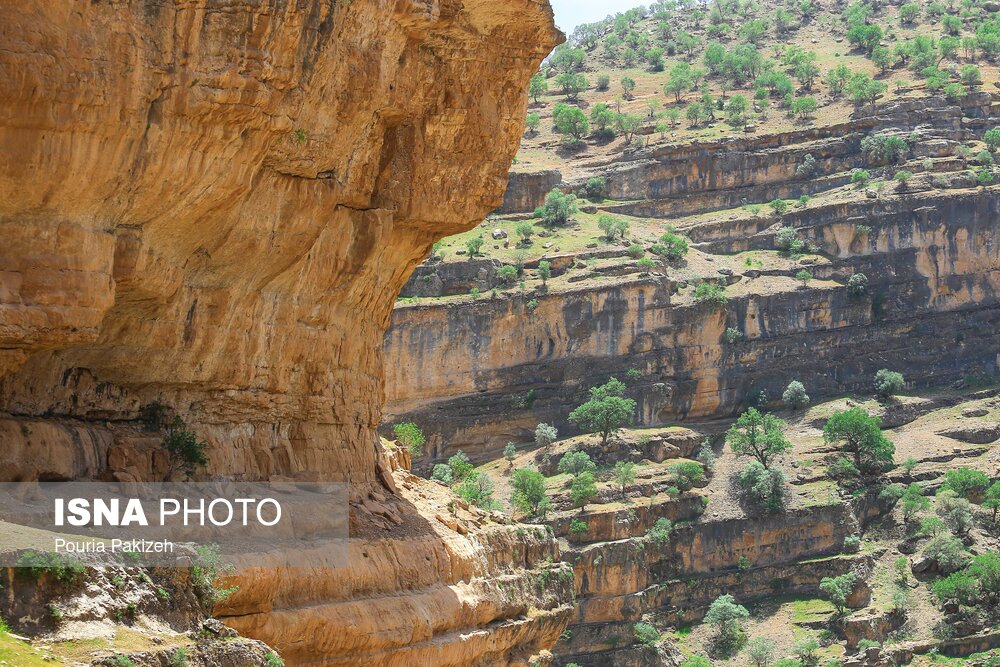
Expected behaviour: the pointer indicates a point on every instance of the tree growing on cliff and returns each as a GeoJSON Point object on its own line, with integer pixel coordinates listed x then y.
{"type": "Point", "coordinates": [606, 411]}
{"type": "Point", "coordinates": [610, 226]}
{"type": "Point", "coordinates": [759, 436]}
{"type": "Point", "coordinates": [583, 490]}
{"type": "Point", "coordinates": [860, 434]}
{"type": "Point", "coordinates": [686, 475]}
{"type": "Point", "coordinates": [410, 436]}
{"type": "Point", "coordinates": [795, 395]}
{"type": "Point", "coordinates": [557, 209]}
{"type": "Point", "coordinates": [545, 435]}
{"type": "Point", "coordinates": [529, 491]}
{"type": "Point", "coordinates": [184, 450]}
{"type": "Point", "coordinates": [711, 294]}
{"type": "Point", "coordinates": [838, 589]}
{"type": "Point", "coordinates": [544, 272]}
{"type": "Point", "coordinates": [763, 487]}
{"type": "Point", "coordinates": [804, 277]}
{"type": "Point", "coordinates": [727, 618]}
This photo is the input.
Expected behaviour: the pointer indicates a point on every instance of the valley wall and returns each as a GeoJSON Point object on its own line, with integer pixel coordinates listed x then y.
{"type": "Point", "coordinates": [209, 208]}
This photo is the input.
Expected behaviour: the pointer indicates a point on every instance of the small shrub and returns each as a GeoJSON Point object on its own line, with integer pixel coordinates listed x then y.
{"type": "Point", "coordinates": [659, 534]}
{"type": "Point", "coordinates": [710, 294]}
{"type": "Point", "coordinates": [179, 658]}
{"type": "Point", "coordinates": [646, 634]}
{"type": "Point", "coordinates": [185, 451]}
{"type": "Point", "coordinates": [577, 527]}
{"type": "Point", "coordinates": [274, 660]}
{"type": "Point", "coordinates": [410, 436]}
{"type": "Point", "coordinates": [852, 544]}
{"type": "Point", "coordinates": [888, 383]}
{"type": "Point", "coordinates": [857, 285]}
{"type": "Point", "coordinates": [795, 395]}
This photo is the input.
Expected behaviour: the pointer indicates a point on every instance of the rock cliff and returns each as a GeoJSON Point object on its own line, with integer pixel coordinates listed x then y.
{"type": "Point", "coordinates": [211, 206]}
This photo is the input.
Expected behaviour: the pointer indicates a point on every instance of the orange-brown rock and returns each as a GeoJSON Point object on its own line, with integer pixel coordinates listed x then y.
{"type": "Point", "coordinates": [213, 205]}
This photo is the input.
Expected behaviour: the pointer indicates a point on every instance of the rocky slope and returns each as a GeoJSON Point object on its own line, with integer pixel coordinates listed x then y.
{"type": "Point", "coordinates": [211, 207]}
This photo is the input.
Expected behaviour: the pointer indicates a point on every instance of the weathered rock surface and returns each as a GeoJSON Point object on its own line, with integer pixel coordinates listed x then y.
{"type": "Point", "coordinates": [212, 205]}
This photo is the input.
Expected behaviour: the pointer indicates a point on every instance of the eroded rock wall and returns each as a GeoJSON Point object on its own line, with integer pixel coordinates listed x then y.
{"type": "Point", "coordinates": [212, 205]}
{"type": "Point", "coordinates": [931, 259]}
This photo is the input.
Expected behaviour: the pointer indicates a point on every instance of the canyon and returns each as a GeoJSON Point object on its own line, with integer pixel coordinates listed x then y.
{"type": "Point", "coordinates": [247, 223]}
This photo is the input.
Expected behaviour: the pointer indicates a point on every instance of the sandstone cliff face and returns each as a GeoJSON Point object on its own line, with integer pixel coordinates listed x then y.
{"type": "Point", "coordinates": [213, 205]}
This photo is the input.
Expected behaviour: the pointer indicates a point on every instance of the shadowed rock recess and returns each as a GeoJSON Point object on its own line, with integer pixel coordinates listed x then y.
{"type": "Point", "coordinates": [210, 206]}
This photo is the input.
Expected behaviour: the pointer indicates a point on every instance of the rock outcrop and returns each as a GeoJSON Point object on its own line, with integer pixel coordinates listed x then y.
{"type": "Point", "coordinates": [212, 206]}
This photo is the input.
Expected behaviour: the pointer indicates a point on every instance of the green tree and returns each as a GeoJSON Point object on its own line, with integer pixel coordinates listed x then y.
{"type": "Point", "coordinates": [680, 81]}
{"type": "Point", "coordinates": [557, 209]}
{"type": "Point", "coordinates": [510, 453]}
{"type": "Point", "coordinates": [795, 395]}
{"type": "Point", "coordinates": [571, 121]}
{"type": "Point", "coordinates": [686, 475]}
{"type": "Point", "coordinates": [545, 435]}
{"type": "Point", "coordinates": [474, 245]}
{"type": "Point", "coordinates": [628, 86]}
{"type": "Point", "coordinates": [544, 271]}
{"type": "Point", "coordinates": [860, 434]}
{"type": "Point", "coordinates": [838, 589]}
{"type": "Point", "coordinates": [675, 246]}
{"type": "Point", "coordinates": [609, 225]}
{"type": "Point", "coordinates": [759, 436]}
{"type": "Point", "coordinates": [583, 489]}
{"type": "Point", "coordinates": [888, 383]}
{"type": "Point", "coordinates": [966, 482]}
{"type": "Point", "coordinates": [529, 491]}
{"type": "Point", "coordinates": [524, 230]}
{"type": "Point", "coordinates": [477, 489]}
{"type": "Point", "coordinates": [184, 450]}
{"type": "Point", "coordinates": [760, 651]}
{"type": "Point", "coordinates": [646, 634]}
{"type": "Point", "coordinates": [659, 534]}
{"type": "Point", "coordinates": [460, 465]}
{"type": "Point", "coordinates": [736, 110]}
{"type": "Point", "coordinates": [574, 463]}
{"type": "Point", "coordinates": [909, 13]}
{"type": "Point", "coordinates": [804, 106]}
{"type": "Point", "coordinates": [727, 618]}
{"type": "Point", "coordinates": [606, 411]}
{"type": "Point", "coordinates": [804, 277]}
{"type": "Point", "coordinates": [992, 138]}
{"type": "Point", "coordinates": [712, 294]}
{"type": "Point", "coordinates": [865, 36]}
{"type": "Point", "coordinates": [992, 501]}
{"type": "Point", "coordinates": [538, 86]}
{"type": "Point", "coordinates": [624, 474]}
{"type": "Point", "coordinates": [410, 436]}
{"type": "Point", "coordinates": [572, 84]}
{"type": "Point", "coordinates": [531, 122]}
{"type": "Point", "coordinates": [763, 487]}
{"type": "Point", "coordinates": [628, 124]}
